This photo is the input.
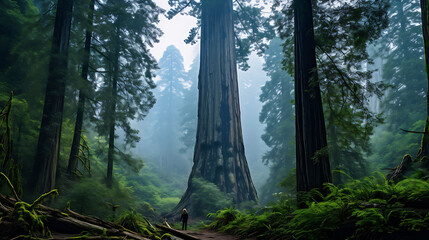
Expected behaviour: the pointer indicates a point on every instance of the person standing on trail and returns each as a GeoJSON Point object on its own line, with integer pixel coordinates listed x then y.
{"type": "Point", "coordinates": [184, 219]}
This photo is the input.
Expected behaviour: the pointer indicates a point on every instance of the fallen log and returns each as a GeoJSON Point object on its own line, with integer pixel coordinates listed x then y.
{"type": "Point", "coordinates": [71, 225]}
{"type": "Point", "coordinates": [399, 171]}
{"type": "Point", "coordinates": [148, 223]}
{"type": "Point", "coordinates": [90, 237]}
{"type": "Point", "coordinates": [177, 233]}
{"type": "Point", "coordinates": [93, 220]}
{"type": "Point", "coordinates": [70, 222]}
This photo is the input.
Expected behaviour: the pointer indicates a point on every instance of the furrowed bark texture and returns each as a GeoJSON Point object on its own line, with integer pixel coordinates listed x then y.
{"type": "Point", "coordinates": [219, 151]}
{"type": "Point", "coordinates": [74, 152]}
{"type": "Point", "coordinates": [48, 147]}
{"type": "Point", "coordinates": [311, 170]}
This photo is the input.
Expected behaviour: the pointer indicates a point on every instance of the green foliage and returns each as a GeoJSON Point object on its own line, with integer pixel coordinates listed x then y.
{"type": "Point", "coordinates": [346, 86]}
{"type": "Point", "coordinates": [29, 221]}
{"type": "Point", "coordinates": [14, 17]}
{"type": "Point", "coordinates": [24, 215]}
{"type": "Point", "coordinates": [125, 56]}
{"type": "Point", "coordinates": [313, 222]}
{"type": "Point", "coordinates": [415, 223]}
{"type": "Point", "coordinates": [135, 222]}
{"type": "Point", "coordinates": [91, 196]}
{"type": "Point", "coordinates": [160, 193]}
{"type": "Point", "coordinates": [278, 115]}
{"type": "Point", "coordinates": [207, 197]}
{"type": "Point", "coordinates": [404, 106]}
{"type": "Point", "coordinates": [9, 165]}
{"type": "Point", "coordinates": [372, 205]}
{"type": "Point", "coordinates": [373, 220]}
{"type": "Point", "coordinates": [145, 192]}
{"type": "Point", "coordinates": [223, 217]}
{"type": "Point", "coordinates": [251, 26]}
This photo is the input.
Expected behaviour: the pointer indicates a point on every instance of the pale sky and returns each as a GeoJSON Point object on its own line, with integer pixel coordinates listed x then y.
{"type": "Point", "coordinates": [175, 31]}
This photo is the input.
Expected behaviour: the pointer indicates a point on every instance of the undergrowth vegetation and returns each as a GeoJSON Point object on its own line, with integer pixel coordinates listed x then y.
{"type": "Point", "coordinates": [369, 208]}
{"type": "Point", "coordinates": [207, 197]}
{"type": "Point", "coordinates": [135, 222]}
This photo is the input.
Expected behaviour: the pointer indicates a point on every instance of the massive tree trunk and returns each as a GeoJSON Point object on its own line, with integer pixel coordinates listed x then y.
{"type": "Point", "coordinates": [112, 120]}
{"type": "Point", "coordinates": [48, 147]}
{"type": "Point", "coordinates": [219, 151]}
{"type": "Point", "coordinates": [312, 161]}
{"type": "Point", "coordinates": [74, 152]}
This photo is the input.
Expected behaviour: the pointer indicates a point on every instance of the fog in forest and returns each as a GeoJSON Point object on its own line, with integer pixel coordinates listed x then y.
{"type": "Point", "coordinates": [165, 150]}
{"type": "Point", "coordinates": [214, 119]}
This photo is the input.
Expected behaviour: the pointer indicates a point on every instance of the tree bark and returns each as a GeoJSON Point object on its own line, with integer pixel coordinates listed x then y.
{"type": "Point", "coordinates": [312, 161]}
{"type": "Point", "coordinates": [112, 121]}
{"type": "Point", "coordinates": [48, 147]}
{"type": "Point", "coordinates": [219, 151]}
{"type": "Point", "coordinates": [74, 152]}
{"type": "Point", "coordinates": [424, 148]}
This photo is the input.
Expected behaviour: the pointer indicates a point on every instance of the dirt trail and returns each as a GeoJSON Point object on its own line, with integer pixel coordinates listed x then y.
{"type": "Point", "coordinates": [205, 234]}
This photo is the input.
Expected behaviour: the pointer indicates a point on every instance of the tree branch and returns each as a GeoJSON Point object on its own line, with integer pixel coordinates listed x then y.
{"type": "Point", "coordinates": [177, 11]}
{"type": "Point", "coordinates": [408, 131]}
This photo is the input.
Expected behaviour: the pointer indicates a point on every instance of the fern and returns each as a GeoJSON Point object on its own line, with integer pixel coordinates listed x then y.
{"type": "Point", "coordinates": [375, 206]}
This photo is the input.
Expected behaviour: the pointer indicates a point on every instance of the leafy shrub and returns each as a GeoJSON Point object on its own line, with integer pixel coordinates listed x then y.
{"type": "Point", "coordinates": [91, 196]}
{"type": "Point", "coordinates": [207, 197]}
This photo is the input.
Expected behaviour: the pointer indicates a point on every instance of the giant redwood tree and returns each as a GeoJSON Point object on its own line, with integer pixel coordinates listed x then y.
{"type": "Point", "coordinates": [48, 147]}
{"type": "Point", "coordinates": [312, 161]}
{"type": "Point", "coordinates": [219, 151]}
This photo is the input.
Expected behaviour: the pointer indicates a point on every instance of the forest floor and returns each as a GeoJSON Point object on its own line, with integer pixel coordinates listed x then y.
{"type": "Point", "coordinates": [205, 234]}
{"type": "Point", "coordinates": [202, 234]}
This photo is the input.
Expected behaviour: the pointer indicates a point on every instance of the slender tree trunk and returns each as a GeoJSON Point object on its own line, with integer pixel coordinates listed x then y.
{"type": "Point", "coordinates": [112, 121]}
{"type": "Point", "coordinates": [424, 148]}
{"type": "Point", "coordinates": [333, 149]}
{"type": "Point", "coordinates": [48, 147]}
{"type": "Point", "coordinates": [74, 152]}
{"type": "Point", "coordinates": [219, 151]}
{"type": "Point", "coordinates": [312, 161]}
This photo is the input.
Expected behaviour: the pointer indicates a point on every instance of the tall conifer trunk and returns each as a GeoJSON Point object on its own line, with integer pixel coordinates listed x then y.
{"type": "Point", "coordinates": [312, 170]}
{"type": "Point", "coordinates": [48, 147]}
{"type": "Point", "coordinates": [219, 151]}
{"type": "Point", "coordinates": [112, 120]}
{"type": "Point", "coordinates": [74, 152]}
